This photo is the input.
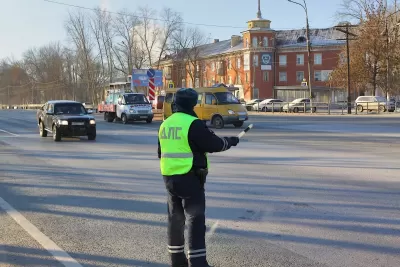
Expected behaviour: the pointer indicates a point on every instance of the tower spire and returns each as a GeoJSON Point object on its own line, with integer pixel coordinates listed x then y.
{"type": "Point", "coordinates": [259, 16]}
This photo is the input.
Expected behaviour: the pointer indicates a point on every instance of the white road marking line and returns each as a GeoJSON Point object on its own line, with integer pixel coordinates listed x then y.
{"type": "Point", "coordinates": [59, 254]}
{"type": "Point", "coordinates": [212, 230]}
{"type": "Point", "coordinates": [7, 132]}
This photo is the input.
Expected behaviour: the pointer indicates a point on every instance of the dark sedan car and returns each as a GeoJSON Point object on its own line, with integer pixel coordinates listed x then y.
{"type": "Point", "coordinates": [65, 118]}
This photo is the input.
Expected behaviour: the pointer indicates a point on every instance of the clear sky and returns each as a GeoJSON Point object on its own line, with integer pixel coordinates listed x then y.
{"type": "Point", "coordinates": [30, 23]}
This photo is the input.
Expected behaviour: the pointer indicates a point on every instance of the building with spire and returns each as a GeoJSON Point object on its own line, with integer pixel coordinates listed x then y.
{"type": "Point", "coordinates": [261, 62]}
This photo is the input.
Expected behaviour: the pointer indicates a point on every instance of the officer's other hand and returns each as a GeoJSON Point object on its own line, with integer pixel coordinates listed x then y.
{"type": "Point", "coordinates": [233, 140]}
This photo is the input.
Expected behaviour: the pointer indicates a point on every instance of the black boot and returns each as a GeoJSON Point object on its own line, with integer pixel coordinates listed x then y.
{"type": "Point", "coordinates": [179, 260]}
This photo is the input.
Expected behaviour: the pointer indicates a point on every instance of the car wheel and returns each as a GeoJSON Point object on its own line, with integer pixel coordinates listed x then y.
{"type": "Point", "coordinates": [56, 134]}
{"type": "Point", "coordinates": [92, 136]}
{"type": "Point", "coordinates": [124, 119]}
{"type": "Point", "coordinates": [314, 109]}
{"type": "Point", "coordinates": [295, 110]}
{"type": "Point", "coordinates": [360, 108]}
{"type": "Point", "coordinates": [264, 109]}
{"type": "Point", "coordinates": [42, 130]}
{"type": "Point", "coordinates": [381, 109]}
{"type": "Point", "coordinates": [218, 122]}
{"type": "Point", "coordinates": [238, 124]}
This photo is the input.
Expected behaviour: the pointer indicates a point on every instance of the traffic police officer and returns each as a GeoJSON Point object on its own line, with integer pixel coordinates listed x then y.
{"type": "Point", "coordinates": [183, 144]}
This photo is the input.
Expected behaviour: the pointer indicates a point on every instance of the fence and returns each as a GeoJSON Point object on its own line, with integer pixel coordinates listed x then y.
{"type": "Point", "coordinates": [326, 107]}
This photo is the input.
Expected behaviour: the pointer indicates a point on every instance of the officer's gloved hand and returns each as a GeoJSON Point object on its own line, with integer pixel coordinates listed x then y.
{"type": "Point", "coordinates": [233, 141]}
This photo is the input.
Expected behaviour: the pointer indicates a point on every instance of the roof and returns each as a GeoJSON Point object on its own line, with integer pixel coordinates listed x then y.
{"type": "Point", "coordinates": [62, 101]}
{"type": "Point", "coordinates": [284, 39]}
{"type": "Point", "coordinates": [318, 37]}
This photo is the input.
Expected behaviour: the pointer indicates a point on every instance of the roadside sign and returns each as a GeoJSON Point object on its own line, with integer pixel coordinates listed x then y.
{"type": "Point", "coordinates": [171, 84]}
{"type": "Point", "coordinates": [151, 73]}
{"type": "Point", "coordinates": [304, 82]}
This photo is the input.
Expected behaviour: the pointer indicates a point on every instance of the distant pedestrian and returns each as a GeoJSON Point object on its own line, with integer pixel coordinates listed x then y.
{"type": "Point", "coordinates": [183, 144]}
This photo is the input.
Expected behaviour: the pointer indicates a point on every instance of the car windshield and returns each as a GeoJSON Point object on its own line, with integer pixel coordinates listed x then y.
{"type": "Point", "coordinates": [226, 98]}
{"type": "Point", "coordinates": [136, 99]}
{"type": "Point", "coordinates": [69, 108]}
{"type": "Point", "coordinates": [297, 100]}
{"type": "Point", "coordinates": [381, 99]}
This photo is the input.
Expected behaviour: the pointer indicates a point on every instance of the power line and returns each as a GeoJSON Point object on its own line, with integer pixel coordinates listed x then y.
{"type": "Point", "coordinates": [136, 16]}
{"type": "Point", "coordinates": [156, 19]}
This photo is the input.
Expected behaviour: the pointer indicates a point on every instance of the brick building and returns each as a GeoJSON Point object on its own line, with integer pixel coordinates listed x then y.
{"type": "Point", "coordinates": [261, 62]}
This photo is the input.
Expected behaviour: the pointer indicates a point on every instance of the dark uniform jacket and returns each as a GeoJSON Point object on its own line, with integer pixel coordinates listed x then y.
{"type": "Point", "coordinates": [202, 140]}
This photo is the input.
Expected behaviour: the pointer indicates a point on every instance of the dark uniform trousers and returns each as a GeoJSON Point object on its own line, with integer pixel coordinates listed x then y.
{"type": "Point", "coordinates": [186, 195]}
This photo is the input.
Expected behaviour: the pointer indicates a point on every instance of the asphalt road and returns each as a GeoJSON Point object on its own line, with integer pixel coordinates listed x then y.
{"type": "Point", "coordinates": [297, 191]}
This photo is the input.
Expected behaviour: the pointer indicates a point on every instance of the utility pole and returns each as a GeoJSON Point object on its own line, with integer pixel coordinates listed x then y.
{"type": "Point", "coordinates": [387, 50]}
{"type": "Point", "coordinates": [347, 32]}
{"type": "Point", "coordinates": [304, 6]}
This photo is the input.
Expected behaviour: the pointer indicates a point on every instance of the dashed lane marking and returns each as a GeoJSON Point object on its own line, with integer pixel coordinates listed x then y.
{"type": "Point", "coordinates": [59, 254]}
{"type": "Point", "coordinates": [7, 132]}
{"type": "Point", "coordinates": [213, 228]}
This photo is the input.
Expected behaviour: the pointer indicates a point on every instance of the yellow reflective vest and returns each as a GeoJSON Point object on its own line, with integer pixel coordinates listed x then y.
{"type": "Point", "coordinates": [176, 154]}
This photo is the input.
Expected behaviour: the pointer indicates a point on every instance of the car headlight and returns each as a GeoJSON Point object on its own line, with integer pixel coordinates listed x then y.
{"type": "Point", "coordinates": [62, 122]}
{"type": "Point", "coordinates": [231, 112]}
{"type": "Point", "coordinates": [132, 111]}
{"type": "Point", "coordinates": [92, 122]}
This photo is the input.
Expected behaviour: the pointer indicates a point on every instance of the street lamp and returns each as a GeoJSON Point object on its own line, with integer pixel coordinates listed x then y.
{"type": "Point", "coordinates": [304, 6]}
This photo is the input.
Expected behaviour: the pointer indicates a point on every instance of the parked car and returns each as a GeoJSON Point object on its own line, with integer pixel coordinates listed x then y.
{"type": "Point", "coordinates": [65, 118]}
{"type": "Point", "coordinates": [376, 103]}
{"type": "Point", "coordinates": [250, 104]}
{"type": "Point", "coordinates": [269, 105]}
{"type": "Point", "coordinates": [299, 104]}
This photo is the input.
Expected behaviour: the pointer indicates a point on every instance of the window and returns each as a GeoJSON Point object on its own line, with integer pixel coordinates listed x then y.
{"type": "Point", "coordinates": [255, 60]}
{"type": "Point", "coordinates": [317, 76]}
{"type": "Point", "coordinates": [226, 98]}
{"type": "Point", "coordinates": [169, 98]}
{"type": "Point", "coordinates": [197, 83]}
{"type": "Point", "coordinates": [205, 82]}
{"type": "Point", "coordinates": [238, 63]}
{"type": "Point", "coordinates": [230, 80]}
{"type": "Point", "coordinates": [229, 64]}
{"type": "Point", "coordinates": [135, 99]}
{"type": "Point", "coordinates": [318, 59]}
{"type": "Point", "coordinates": [299, 76]}
{"type": "Point", "coordinates": [255, 41]}
{"type": "Point", "coordinates": [282, 77]}
{"type": "Point", "coordinates": [213, 66]}
{"type": "Point", "coordinates": [300, 59]}
{"type": "Point", "coordinates": [255, 93]}
{"type": "Point", "coordinates": [265, 76]}
{"type": "Point", "coordinates": [183, 83]}
{"type": "Point", "coordinates": [72, 108]}
{"type": "Point", "coordinates": [265, 41]}
{"type": "Point", "coordinates": [199, 99]}
{"type": "Point", "coordinates": [210, 99]}
{"type": "Point", "coordinates": [247, 77]}
{"type": "Point", "coordinates": [282, 60]}
{"type": "Point", "coordinates": [238, 79]}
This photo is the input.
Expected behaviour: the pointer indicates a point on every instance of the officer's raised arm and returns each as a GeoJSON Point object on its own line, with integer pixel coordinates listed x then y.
{"type": "Point", "coordinates": [207, 141]}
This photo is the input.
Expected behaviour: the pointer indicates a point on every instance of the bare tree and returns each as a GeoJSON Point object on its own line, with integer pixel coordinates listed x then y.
{"type": "Point", "coordinates": [101, 25]}
{"type": "Point", "coordinates": [88, 70]}
{"type": "Point", "coordinates": [127, 51]}
{"type": "Point", "coordinates": [372, 50]}
{"type": "Point", "coordinates": [172, 24]}
{"type": "Point", "coordinates": [188, 43]}
{"type": "Point", "coordinates": [148, 32]}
